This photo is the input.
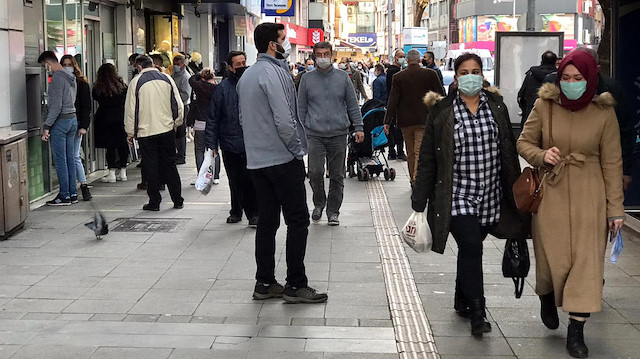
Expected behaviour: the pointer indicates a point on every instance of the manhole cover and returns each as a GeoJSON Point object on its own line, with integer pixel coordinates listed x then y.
{"type": "Point", "coordinates": [146, 224]}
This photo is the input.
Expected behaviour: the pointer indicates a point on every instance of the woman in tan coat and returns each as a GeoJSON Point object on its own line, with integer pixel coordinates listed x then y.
{"type": "Point", "coordinates": [574, 134]}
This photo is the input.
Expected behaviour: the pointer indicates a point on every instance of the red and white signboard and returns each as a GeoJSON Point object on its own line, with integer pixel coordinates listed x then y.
{"type": "Point", "coordinates": [301, 35]}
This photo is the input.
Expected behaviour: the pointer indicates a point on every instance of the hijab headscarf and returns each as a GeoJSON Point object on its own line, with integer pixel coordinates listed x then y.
{"type": "Point", "coordinates": [588, 67]}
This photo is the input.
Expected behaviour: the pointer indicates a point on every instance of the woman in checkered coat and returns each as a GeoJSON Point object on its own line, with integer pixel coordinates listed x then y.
{"type": "Point", "coordinates": [467, 166]}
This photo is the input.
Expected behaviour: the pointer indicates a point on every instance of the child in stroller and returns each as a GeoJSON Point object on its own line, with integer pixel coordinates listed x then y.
{"type": "Point", "coordinates": [363, 159]}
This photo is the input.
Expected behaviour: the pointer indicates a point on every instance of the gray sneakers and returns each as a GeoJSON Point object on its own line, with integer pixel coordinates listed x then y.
{"type": "Point", "coordinates": [333, 219]}
{"type": "Point", "coordinates": [265, 291]}
{"type": "Point", "coordinates": [303, 295]}
{"type": "Point", "coordinates": [316, 214]}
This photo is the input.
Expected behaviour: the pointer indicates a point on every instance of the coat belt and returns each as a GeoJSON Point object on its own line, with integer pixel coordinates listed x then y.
{"type": "Point", "coordinates": [573, 159]}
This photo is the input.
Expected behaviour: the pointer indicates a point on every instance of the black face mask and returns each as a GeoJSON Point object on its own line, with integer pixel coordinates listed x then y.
{"type": "Point", "coordinates": [424, 62]}
{"type": "Point", "coordinates": [240, 71]}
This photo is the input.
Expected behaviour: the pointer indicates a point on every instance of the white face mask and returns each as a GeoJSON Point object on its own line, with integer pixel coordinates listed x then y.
{"type": "Point", "coordinates": [286, 47]}
{"type": "Point", "coordinates": [68, 69]}
{"type": "Point", "coordinates": [323, 62]}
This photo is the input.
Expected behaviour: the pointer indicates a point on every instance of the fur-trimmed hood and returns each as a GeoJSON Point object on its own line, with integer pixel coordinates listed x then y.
{"type": "Point", "coordinates": [550, 91]}
{"type": "Point", "coordinates": [432, 98]}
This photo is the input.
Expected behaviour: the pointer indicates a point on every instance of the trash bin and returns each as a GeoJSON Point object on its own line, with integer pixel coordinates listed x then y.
{"type": "Point", "coordinates": [14, 205]}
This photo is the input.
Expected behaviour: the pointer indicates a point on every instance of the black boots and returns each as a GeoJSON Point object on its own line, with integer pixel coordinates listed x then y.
{"type": "Point", "coordinates": [479, 323]}
{"type": "Point", "coordinates": [575, 340]}
{"type": "Point", "coordinates": [548, 311]}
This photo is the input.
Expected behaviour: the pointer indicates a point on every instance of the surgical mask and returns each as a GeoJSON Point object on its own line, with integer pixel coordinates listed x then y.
{"type": "Point", "coordinates": [68, 69]}
{"type": "Point", "coordinates": [283, 50]}
{"type": "Point", "coordinates": [573, 90]}
{"type": "Point", "coordinates": [401, 61]}
{"type": "Point", "coordinates": [343, 66]}
{"type": "Point", "coordinates": [310, 68]}
{"type": "Point", "coordinates": [323, 62]}
{"type": "Point", "coordinates": [470, 84]}
{"type": "Point", "coordinates": [240, 71]}
{"type": "Point", "coordinates": [177, 69]}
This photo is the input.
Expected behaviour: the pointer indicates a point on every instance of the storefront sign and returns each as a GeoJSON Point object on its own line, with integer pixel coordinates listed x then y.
{"type": "Point", "coordinates": [300, 35]}
{"type": "Point", "coordinates": [363, 40]}
{"type": "Point", "coordinates": [415, 36]}
{"type": "Point", "coordinates": [279, 8]}
{"type": "Point", "coordinates": [315, 36]}
{"type": "Point", "coordinates": [240, 25]}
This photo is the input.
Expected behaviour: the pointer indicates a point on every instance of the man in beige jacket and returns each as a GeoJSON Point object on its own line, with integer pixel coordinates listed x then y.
{"type": "Point", "coordinates": [153, 111]}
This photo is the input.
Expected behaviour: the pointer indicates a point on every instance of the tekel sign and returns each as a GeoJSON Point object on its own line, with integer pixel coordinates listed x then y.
{"type": "Point", "coordinates": [363, 39]}
{"type": "Point", "coordinates": [279, 8]}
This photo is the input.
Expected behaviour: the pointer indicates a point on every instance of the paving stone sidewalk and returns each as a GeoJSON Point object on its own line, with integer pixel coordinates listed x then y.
{"type": "Point", "coordinates": [517, 329]}
{"type": "Point", "coordinates": [186, 292]}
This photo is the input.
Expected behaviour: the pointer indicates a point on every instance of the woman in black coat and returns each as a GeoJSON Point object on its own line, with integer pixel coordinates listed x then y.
{"type": "Point", "coordinates": [83, 113]}
{"type": "Point", "coordinates": [110, 91]}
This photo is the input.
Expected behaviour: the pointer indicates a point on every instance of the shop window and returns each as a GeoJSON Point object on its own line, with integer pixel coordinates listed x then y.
{"type": "Point", "coordinates": [73, 10]}
{"type": "Point", "coordinates": [55, 27]}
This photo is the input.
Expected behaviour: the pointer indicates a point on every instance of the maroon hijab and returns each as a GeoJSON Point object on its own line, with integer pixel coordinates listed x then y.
{"type": "Point", "coordinates": [586, 64]}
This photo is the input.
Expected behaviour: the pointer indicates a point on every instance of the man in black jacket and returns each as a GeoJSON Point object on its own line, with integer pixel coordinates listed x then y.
{"type": "Point", "coordinates": [533, 80]}
{"type": "Point", "coordinates": [224, 130]}
{"type": "Point", "coordinates": [396, 141]}
{"type": "Point", "coordinates": [627, 125]}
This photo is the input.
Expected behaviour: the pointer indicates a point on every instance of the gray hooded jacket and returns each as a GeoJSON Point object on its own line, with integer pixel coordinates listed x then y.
{"type": "Point", "coordinates": [62, 98]}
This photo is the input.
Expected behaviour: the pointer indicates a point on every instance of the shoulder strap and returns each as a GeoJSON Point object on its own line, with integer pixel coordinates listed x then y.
{"type": "Point", "coordinates": [550, 123]}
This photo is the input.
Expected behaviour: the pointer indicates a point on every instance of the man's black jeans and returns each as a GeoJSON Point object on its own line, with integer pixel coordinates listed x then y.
{"type": "Point", "coordinates": [279, 188]}
{"type": "Point", "coordinates": [159, 153]}
{"type": "Point", "coordinates": [243, 193]}
{"type": "Point", "coordinates": [469, 235]}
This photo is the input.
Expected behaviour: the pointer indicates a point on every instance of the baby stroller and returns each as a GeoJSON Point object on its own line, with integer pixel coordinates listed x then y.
{"type": "Point", "coordinates": [363, 160]}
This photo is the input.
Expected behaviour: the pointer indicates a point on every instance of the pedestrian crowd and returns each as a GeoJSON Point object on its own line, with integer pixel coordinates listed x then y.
{"type": "Point", "coordinates": [461, 152]}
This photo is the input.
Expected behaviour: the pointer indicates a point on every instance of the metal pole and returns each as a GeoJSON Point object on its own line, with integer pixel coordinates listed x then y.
{"type": "Point", "coordinates": [390, 29]}
{"type": "Point", "coordinates": [514, 10]}
{"type": "Point", "coordinates": [531, 15]}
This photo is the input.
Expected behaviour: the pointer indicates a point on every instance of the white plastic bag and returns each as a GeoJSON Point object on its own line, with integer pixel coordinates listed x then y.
{"type": "Point", "coordinates": [616, 247]}
{"type": "Point", "coordinates": [205, 176]}
{"type": "Point", "coordinates": [416, 233]}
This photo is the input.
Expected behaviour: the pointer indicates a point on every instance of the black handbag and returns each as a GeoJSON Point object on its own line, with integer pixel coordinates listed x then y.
{"type": "Point", "coordinates": [515, 263]}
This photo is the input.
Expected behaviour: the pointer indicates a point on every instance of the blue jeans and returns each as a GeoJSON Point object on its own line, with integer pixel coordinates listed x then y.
{"type": "Point", "coordinates": [80, 176]}
{"type": "Point", "coordinates": [63, 134]}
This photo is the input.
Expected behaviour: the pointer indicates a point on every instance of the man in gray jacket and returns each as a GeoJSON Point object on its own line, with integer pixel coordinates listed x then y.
{"type": "Point", "coordinates": [61, 127]}
{"type": "Point", "coordinates": [275, 143]}
{"type": "Point", "coordinates": [327, 106]}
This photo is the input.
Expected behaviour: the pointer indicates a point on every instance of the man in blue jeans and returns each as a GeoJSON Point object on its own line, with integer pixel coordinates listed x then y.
{"type": "Point", "coordinates": [61, 126]}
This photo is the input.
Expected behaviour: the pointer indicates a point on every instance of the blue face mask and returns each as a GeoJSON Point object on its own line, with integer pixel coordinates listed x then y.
{"type": "Point", "coordinates": [573, 90]}
{"type": "Point", "coordinates": [470, 84]}
{"type": "Point", "coordinates": [177, 69]}
{"type": "Point", "coordinates": [310, 68]}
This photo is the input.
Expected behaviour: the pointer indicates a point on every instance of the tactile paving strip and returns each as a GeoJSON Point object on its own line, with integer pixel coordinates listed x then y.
{"type": "Point", "coordinates": [414, 338]}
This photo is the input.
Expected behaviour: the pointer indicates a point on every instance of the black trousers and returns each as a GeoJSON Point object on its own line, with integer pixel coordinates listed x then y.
{"type": "Point", "coordinates": [159, 153]}
{"type": "Point", "coordinates": [117, 156]}
{"type": "Point", "coordinates": [243, 193]}
{"type": "Point", "coordinates": [395, 141]}
{"type": "Point", "coordinates": [279, 188]}
{"type": "Point", "coordinates": [469, 235]}
{"type": "Point", "coordinates": [181, 138]}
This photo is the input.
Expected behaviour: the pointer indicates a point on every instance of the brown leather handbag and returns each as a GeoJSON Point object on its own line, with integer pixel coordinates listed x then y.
{"type": "Point", "coordinates": [528, 188]}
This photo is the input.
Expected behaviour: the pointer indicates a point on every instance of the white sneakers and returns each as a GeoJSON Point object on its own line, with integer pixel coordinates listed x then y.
{"type": "Point", "coordinates": [123, 174]}
{"type": "Point", "coordinates": [111, 176]}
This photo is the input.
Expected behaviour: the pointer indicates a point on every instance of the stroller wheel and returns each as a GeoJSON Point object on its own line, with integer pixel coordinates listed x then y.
{"type": "Point", "coordinates": [359, 174]}
{"type": "Point", "coordinates": [365, 174]}
{"type": "Point", "coordinates": [386, 174]}
{"type": "Point", "coordinates": [392, 174]}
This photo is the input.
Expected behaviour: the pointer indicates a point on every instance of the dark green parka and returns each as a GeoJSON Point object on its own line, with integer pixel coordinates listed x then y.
{"type": "Point", "coordinates": [434, 180]}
